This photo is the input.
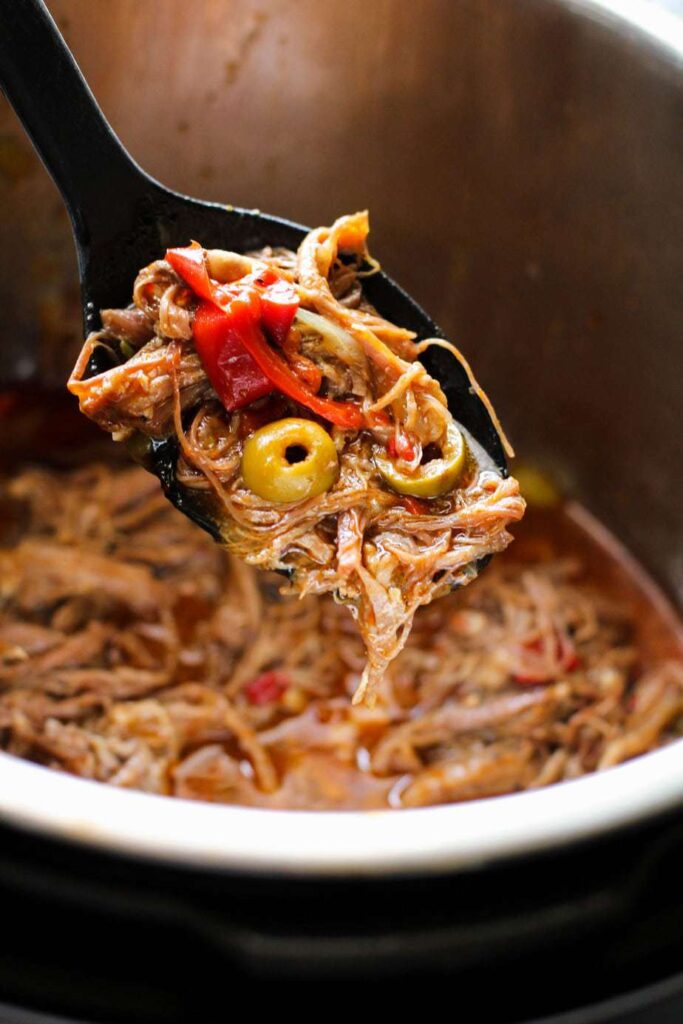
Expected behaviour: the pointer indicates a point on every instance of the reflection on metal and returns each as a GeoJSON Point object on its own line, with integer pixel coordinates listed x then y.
{"type": "Point", "coordinates": [522, 164]}
{"type": "Point", "coordinates": [664, 27]}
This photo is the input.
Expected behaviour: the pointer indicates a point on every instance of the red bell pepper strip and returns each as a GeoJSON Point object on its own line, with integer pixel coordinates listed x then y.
{"type": "Point", "coordinates": [190, 263]}
{"type": "Point", "coordinates": [243, 305]}
{"type": "Point", "coordinates": [401, 447]}
{"type": "Point", "coordinates": [539, 669]}
{"type": "Point", "coordinates": [415, 506]}
{"type": "Point", "coordinates": [343, 414]}
{"type": "Point", "coordinates": [266, 688]}
{"type": "Point", "coordinates": [279, 304]}
{"type": "Point", "coordinates": [263, 277]}
{"type": "Point", "coordinates": [236, 378]}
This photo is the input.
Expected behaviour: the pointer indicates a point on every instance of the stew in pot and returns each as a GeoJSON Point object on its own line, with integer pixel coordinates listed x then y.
{"type": "Point", "coordinates": [135, 651]}
{"type": "Point", "coordinates": [323, 445]}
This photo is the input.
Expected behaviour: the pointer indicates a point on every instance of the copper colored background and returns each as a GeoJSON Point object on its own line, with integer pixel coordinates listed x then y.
{"type": "Point", "coordinates": [522, 164]}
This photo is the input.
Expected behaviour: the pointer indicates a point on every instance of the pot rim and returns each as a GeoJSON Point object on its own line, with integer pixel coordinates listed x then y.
{"type": "Point", "coordinates": [362, 843]}
{"type": "Point", "coordinates": [642, 20]}
{"type": "Point", "coordinates": [250, 840]}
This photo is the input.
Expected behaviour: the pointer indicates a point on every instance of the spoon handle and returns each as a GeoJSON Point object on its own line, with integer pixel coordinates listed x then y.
{"type": "Point", "coordinates": [43, 83]}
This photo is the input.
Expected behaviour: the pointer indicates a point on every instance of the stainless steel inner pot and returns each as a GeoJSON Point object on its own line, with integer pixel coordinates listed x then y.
{"type": "Point", "coordinates": [522, 164]}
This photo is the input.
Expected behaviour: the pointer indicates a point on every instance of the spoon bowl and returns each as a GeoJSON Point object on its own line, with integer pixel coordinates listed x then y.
{"type": "Point", "coordinates": [123, 219]}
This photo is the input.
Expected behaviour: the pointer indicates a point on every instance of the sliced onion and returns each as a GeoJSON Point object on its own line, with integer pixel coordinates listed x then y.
{"type": "Point", "coordinates": [338, 341]}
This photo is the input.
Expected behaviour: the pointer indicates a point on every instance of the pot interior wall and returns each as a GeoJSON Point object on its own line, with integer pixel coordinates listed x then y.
{"type": "Point", "coordinates": [522, 163]}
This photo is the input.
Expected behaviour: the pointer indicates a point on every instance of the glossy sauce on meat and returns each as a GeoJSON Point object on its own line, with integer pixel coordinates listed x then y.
{"type": "Point", "coordinates": [134, 651]}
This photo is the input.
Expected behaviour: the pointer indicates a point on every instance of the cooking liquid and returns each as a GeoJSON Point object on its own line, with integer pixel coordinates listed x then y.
{"type": "Point", "coordinates": [48, 429]}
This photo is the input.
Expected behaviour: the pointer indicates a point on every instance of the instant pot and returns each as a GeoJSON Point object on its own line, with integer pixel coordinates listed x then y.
{"type": "Point", "coordinates": [522, 164]}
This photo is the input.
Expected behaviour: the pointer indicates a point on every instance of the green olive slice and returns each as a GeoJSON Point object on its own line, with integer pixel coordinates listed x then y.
{"type": "Point", "coordinates": [432, 479]}
{"type": "Point", "coordinates": [289, 460]}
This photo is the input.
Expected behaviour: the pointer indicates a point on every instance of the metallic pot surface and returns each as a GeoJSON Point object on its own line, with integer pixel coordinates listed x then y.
{"type": "Point", "coordinates": [522, 164]}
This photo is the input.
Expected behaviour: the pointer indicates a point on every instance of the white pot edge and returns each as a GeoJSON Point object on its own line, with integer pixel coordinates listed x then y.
{"type": "Point", "coordinates": [424, 840]}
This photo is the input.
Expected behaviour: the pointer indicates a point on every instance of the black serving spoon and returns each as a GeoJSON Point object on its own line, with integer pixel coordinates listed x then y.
{"type": "Point", "coordinates": [122, 219]}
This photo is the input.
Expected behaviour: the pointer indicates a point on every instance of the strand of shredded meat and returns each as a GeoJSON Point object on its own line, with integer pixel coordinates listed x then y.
{"type": "Point", "coordinates": [135, 651]}
{"type": "Point", "coordinates": [380, 555]}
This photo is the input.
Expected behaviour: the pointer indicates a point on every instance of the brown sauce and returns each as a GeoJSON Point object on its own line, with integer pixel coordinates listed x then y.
{"type": "Point", "coordinates": [570, 531]}
{"type": "Point", "coordinates": [321, 771]}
